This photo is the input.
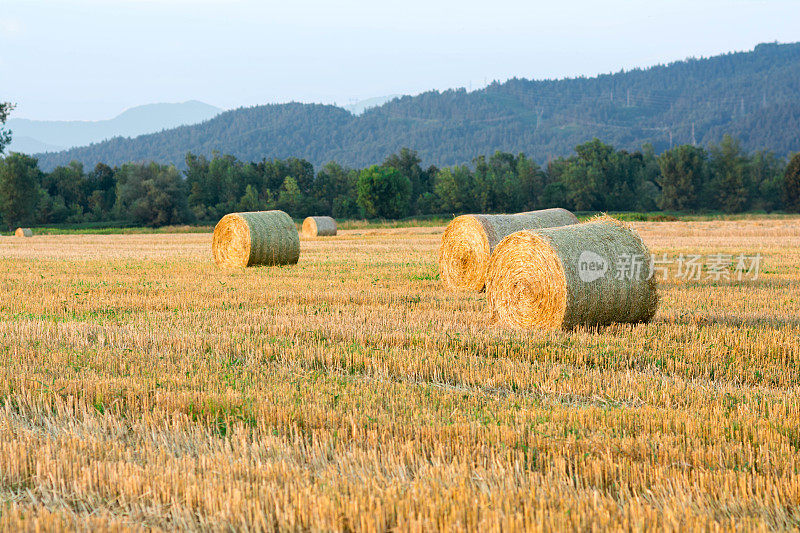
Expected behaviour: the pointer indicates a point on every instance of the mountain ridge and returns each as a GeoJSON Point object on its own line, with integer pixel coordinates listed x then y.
{"type": "Point", "coordinates": [754, 96]}
{"type": "Point", "coordinates": [134, 121]}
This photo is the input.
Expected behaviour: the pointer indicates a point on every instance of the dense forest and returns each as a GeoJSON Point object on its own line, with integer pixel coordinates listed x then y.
{"type": "Point", "coordinates": [597, 177]}
{"type": "Point", "coordinates": [753, 96]}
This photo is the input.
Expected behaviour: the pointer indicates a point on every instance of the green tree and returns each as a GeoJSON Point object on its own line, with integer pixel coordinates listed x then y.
{"type": "Point", "coordinates": [218, 186]}
{"type": "Point", "coordinates": [648, 193]}
{"type": "Point", "coordinates": [446, 190]}
{"type": "Point", "coordinates": [583, 184]}
{"type": "Point", "coordinates": [766, 181]}
{"type": "Point", "coordinates": [19, 189]}
{"type": "Point", "coordinates": [67, 185]}
{"type": "Point", "coordinates": [683, 177]}
{"type": "Point", "coordinates": [791, 185]}
{"type": "Point", "coordinates": [532, 181]}
{"type": "Point", "coordinates": [250, 201]}
{"type": "Point", "coordinates": [333, 186]}
{"type": "Point", "coordinates": [384, 192]}
{"type": "Point", "coordinates": [555, 192]}
{"type": "Point", "coordinates": [483, 187]}
{"type": "Point", "coordinates": [509, 192]}
{"type": "Point", "coordinates": [102, 190]}
{"type": "Point", "coordinates": [5, 135]}
{"type": "Point", "coordinates": [224, 172]}
{"type": "Point", "coordinates": [408, 163]}
{"type": "Point", "coordinates": [454, 187]}
{"type": "Point", "coordinates": [151, 194]}
{"type": "Point", "coordinates": [601, 178]}
{"type": "Point", "coordinates": [290, 197]}
{"type": "Point", "coordinates": [729, 189]}
{"type": "Point", "coordinates": [201, 197]}
{"type": "Point", "coordinates": [346, 207]}
{"type": "Point", "coordinates": [302, 172]}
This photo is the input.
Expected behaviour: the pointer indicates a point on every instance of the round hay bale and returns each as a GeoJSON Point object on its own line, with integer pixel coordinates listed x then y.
{"type": "Point", "coordinates": [23, 232]}
{"type": "Point", "coordinates": [589, 274]}
{"type": "Point", "coordinates": [468, 242]}
{"type": "Point", "coordinates": [319, 227]}
{"type": "Point", "coordinates": [255, 238]}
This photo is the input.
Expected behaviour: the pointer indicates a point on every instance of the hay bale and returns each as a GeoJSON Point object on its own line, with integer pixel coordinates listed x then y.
{"type": "Point", "coordinates": [318, 227]}
{"type": "Point", "coordinates": [23, 232]}
{"type": "Point", "coordinates": [255, 238]}
{"type": "Point", "coordinates": [468, 242]}
{"type": "Point", "coordinates": [565, 277]}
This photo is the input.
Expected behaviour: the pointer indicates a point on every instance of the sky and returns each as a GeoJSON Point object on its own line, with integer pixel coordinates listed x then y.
{"type": "Point", "coordinates": [91, 59]}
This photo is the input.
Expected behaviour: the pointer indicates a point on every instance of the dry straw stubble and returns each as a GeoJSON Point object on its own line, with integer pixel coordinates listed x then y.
{"type": "Point", "coordinates": [214, 408]}
{"type": "Point", "coordinates": [255, 238]}
{"type": "Point", "coordinates": [319, 227]}
{"type": "Point", "coordinates": [23, 232]}
{"type": "Point", "coordinates": [468, 242]}
{"type": "Point", "coordinates": [590, 274]}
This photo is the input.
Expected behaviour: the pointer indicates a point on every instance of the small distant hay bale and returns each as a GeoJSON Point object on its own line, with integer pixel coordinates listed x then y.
{"type": "Point", "coordinates": [590, 274]}
{"type": "Point", "coordinates": [468, 242]}
{"type": "Point", "coordinates": [23, 232]}
{"type": "Point", "coordinates": [319, 227]}
{"type": "Point", "coordinates": [255, 238]}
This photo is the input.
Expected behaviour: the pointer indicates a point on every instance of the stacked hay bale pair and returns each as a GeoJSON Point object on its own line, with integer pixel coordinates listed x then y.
{"type": "Point", "coordinates": [545, 270]}
{"type": "Point", "coordinates": [263, 238]}
{"type": "Point", "coordinates": [23, 232]}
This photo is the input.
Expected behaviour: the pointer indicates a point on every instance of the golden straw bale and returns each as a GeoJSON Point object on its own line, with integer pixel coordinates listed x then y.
{"type": "Point", "coordinates": [468, 242]}
{"type": "Point", "coordinates": [23, 232]}
{"type": "Point", "coordinates": [318, 227]}
{"type": "Point", "coordinates": [255, 238]}
{"type": "Point", "coordinates": [589, 274]}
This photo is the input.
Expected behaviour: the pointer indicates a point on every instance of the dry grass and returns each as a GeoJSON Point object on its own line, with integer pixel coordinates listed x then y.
{"type": "Point", "coordinates": [143, 387]}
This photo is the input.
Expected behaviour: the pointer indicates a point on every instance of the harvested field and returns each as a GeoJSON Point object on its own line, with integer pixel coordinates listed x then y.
{"type": "Point", "coordinates": [143, 387]}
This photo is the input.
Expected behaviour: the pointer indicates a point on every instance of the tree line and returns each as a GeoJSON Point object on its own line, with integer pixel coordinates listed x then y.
{"type": "Point", "coordinates": [597, 177]}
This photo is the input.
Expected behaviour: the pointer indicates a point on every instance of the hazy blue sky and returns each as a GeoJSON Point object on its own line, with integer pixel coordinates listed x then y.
{"type": "Point", "coordinates": [90, 59]}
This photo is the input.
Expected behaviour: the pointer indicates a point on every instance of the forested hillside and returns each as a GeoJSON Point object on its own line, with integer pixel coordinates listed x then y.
{"type": "Point", "coordinates": [754, 96]}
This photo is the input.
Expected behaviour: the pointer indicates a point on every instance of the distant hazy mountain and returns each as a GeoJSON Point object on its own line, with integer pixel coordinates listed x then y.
{"type": "Point", "coordinates": [361, 106]}
{"type": "Point", "coordinates": [754, 96]}
{"type": "Point", "coordinates": [32, 136]}
{"type": "Point", "coordinates": [29, 145]}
